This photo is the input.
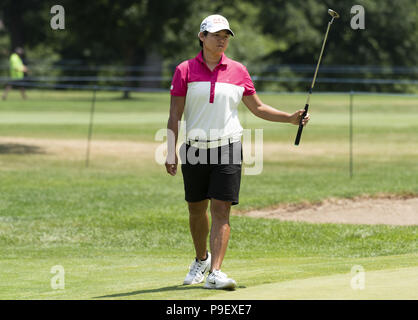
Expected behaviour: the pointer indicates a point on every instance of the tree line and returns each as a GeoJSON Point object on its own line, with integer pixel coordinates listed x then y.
{"type": "Point", "coordinates": [163, 33]}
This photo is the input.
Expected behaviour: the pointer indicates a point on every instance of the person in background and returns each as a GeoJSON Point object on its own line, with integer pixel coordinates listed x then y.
{"type": "Point", "coordinates": [17, 71]}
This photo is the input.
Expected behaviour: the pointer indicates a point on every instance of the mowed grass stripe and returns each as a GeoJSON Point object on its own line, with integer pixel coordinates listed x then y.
{"type": "Point", "coordinates": [45, 118]}
{"type": "Point", "coordinates": [395, 284]}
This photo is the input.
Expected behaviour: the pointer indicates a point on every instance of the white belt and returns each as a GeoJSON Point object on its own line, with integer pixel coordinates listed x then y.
{"type": "Point", "coordinates": [212, 144]}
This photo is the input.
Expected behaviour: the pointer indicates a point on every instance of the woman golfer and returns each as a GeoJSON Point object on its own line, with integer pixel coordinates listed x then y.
{"type": "Point", "coordinates": [208, 90]}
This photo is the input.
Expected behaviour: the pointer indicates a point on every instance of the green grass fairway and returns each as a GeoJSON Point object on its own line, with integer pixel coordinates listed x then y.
{"type": "Point", "coordinates": [119, 228]}
{"type": "Point", "coordinates": [398, 284]}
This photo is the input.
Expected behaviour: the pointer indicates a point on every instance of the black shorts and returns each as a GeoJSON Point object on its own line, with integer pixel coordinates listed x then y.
{"type": "Point", "coordinates": [212, 173]}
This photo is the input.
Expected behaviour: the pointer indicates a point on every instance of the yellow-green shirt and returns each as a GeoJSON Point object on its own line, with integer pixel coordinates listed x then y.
{"type": "Point", "coordinates": [16, 66]}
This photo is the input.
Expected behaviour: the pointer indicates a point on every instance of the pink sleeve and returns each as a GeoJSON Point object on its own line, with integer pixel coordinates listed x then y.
{"type": "Point", "coordinates": [179, 82]}
{"type": "Point", "coordinates": [249, 88]}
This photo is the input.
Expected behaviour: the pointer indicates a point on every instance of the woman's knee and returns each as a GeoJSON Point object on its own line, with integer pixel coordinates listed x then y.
{"type": "Point", "coordinates": [198, 208]}
{"type": "Point", "coordinates": [220, 209]}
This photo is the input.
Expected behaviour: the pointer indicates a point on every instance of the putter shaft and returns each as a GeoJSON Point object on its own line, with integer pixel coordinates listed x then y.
{"type": "Point", "coordinates": [300, 129]}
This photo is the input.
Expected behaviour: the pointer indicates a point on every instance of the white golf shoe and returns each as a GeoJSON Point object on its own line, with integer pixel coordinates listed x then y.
{"type": "Point", "coordinates": [219, 280]}
{"type": "Point", "coordinates": [197, 271]}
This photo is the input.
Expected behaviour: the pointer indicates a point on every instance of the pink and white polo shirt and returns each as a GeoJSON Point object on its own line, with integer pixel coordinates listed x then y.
{"type": "Point", "coordinates": [212, 97]}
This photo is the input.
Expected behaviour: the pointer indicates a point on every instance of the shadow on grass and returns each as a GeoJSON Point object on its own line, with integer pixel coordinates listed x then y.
{"type": "Point", "coordinates": [163, 289]}
{"type": "Point", "coordinates": [15, 148]}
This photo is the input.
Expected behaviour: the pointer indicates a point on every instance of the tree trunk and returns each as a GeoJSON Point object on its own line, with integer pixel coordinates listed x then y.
{"type": "Point", "coordinates": [129, 57]}
{"type": "Point", "coordinates": [153, 70]}
{"type": "Point", "coordinates": [13, 11]}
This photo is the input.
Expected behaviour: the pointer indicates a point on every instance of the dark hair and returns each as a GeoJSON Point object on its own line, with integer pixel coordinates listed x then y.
{"type": "Point", "coordinates": [19, 50]}
{"type": "Point", "coordinates": [205, 33]}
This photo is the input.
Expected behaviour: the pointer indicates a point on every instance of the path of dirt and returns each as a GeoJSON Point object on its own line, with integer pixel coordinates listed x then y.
{"type": "Point", "coordinates": [389, 210]}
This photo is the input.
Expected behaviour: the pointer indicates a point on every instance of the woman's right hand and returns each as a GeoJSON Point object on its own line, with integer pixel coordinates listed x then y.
{"type": "Point", "coordinates": [171, 167]}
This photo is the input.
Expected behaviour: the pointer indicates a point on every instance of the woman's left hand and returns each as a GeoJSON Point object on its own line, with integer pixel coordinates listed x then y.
{"type": "Point", "coordinates": [295, 117]}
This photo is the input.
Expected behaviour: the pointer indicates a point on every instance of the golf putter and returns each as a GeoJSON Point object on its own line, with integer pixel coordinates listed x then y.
{"type": "Point", "coordinates": [334, 15]}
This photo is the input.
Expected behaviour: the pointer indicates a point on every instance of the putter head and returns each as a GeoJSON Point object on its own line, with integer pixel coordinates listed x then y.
{"type": "Point", "coordinates": [333, 14]}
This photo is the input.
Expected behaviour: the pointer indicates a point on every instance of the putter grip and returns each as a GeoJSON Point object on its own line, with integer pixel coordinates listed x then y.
{"type": "Point", "coordinates": [300, 129]}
